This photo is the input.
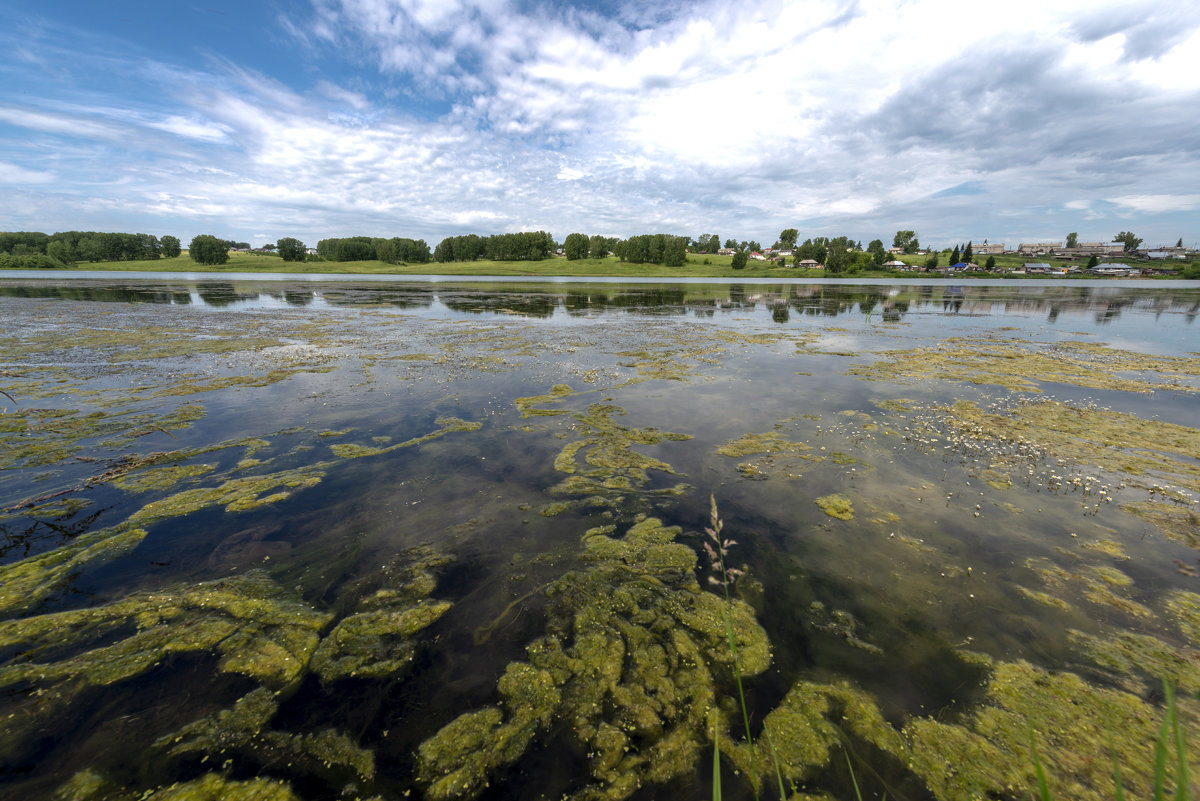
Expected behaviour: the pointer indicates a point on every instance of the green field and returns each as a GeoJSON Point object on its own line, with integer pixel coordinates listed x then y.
{"type": "Point", "coordinates": [556, 265]}
{"type": "Point", "coordinates": [697, 266]}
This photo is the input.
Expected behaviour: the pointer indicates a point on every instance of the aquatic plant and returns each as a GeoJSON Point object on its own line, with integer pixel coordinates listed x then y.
{"type": "Point", "coordinates": [243, 735]}
{"type": "Point", "coordinates": [377, 639]}
{"type": "Point", "coordinates": [248, 621]}
{"type": "Point", "coordinates": [633, 655]}
{"type": "Point", "coordinates": [838, 506]}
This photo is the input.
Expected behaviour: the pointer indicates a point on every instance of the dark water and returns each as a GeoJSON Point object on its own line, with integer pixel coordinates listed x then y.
{"type": "Point", "coordinates": [932, 565]}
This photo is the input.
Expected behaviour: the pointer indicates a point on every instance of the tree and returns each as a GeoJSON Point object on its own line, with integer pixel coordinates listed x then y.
{"type": "Point", "coordinates": [931, 262]}
{"type": "Point", "coordinates": [170, 246]}
{"type": "Point", "coordinates": [739, 260]}
{"type": "Point", "coordinates": [207, 249]}
{"type": "Point", "coordinates": [906, 240]}
{"type": "Point", "coordinates": [752, 246]}
{"type": "Point", "coordinates": [990, 264]}
{"type": "Point", "coordinates": [837, 254]}
{"type": "Point", "coordinates": [1072, 240]}
{"type": "Point", "coordinates": [58, 249]}
{"type": "Point", "coordinates": [954, 256]}
{"type": "Point", "coordinates": [732, 244]}
{"type": "Point", "coordinates": [575, 246]}
{"type": "Point", "coordinates": [291, 249]}
{"type": "Point", "coordinates": [787, 238]}
{"type": "Point", "coordinates": [714, 243]}
{"type": "Point", "coordinates": [969, 254]}
{"type": "Point", "coordinates": [878, 254]}
{"type": "Point", "coordinates": [597, 247]}
{"type": "Point", "coordinates": [1093, 261]}
{"type": "Point", "coordinates": [1131, 242]}
{"type": "Point", "coordinates": [1179, 244]}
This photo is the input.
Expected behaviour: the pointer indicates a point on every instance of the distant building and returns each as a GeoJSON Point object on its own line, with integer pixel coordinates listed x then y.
{"type": "Point", "coordinates": [1038, 248]}
{"type": "Point", "coordinates": [988, 250]}
{"type": "Point", "coordinates": [809, 264]}
{"type": "Point", "coordinates": [1031, 267]}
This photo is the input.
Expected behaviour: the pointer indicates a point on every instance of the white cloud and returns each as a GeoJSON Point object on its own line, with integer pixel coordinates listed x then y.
{"type": "Point", "coordinates": [12, 174]}
{"type": "Point", "coordinates": [182, 126]}
{"type": "Point", "coordinates": [1157, 204]}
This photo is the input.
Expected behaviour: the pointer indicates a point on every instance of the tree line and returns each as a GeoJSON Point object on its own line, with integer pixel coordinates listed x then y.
{"type": "Point", "coordinates": [34, 249]}
{"type": "Point", "coordinates": [396, 250]}
{"type": "Point", "coordinates": [523, 246]}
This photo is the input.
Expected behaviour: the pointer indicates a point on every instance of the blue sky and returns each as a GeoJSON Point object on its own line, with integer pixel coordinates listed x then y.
{"type": "Point", "coordinates": [429, 118]}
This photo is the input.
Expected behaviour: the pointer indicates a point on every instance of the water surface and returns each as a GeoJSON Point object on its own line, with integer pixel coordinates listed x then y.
{"type": "Point", "coordinates": [379, 539]}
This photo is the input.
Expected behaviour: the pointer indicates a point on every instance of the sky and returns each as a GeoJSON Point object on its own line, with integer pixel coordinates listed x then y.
{"type": "Point", "coordinates": [1012, 122]}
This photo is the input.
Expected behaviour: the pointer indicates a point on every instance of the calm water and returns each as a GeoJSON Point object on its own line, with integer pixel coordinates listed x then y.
{"type": "Point", "coordinates": [331, 490]}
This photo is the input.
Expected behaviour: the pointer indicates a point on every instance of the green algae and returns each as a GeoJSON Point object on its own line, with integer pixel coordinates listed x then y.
{"type": "Point", "coordinates": [1184, 609]}
{"type": "Point", "coordinates": [602, 466]}
{"type": "Point", "coordinates": [1098, 584]}
{"type": "Point", "coordinates": [90, 786]}
{"type": "Point", "coordinates": [634, 656]}
{"type": "Point", "coordinates": [1044, 598]}
{"type": "Point", "coordinates": [259, 631]}
{"type": "Point", "coordinates": [161, 478]}
{"type": "Point", "coordinates": [247, 621]}
{"type": "Point", "coordinates": [1020, 365]}
{"type": "Point", "coordinates": [766, 442]}
{"type": "Point", "coordinates": [242, 735]}
{"type": "Point", "coordinates": [446, 425]}
{"type": "Point", "coordinates": [838, 506]}
{"type": "Point", "coordinates": [554, 509]}
{"type": "Point", "coordinates": [529, 406]}
{"type": "Point", "coordinates": [841, 624]}
{"type": "Point", "coordinates": [1178, 523]}
{"type": "Point", "coordinates": [1141, 657]}
{"type": "Point", "coordinates": [378, 639]}
{"type": "Point", "coordinates": [1079, 728]}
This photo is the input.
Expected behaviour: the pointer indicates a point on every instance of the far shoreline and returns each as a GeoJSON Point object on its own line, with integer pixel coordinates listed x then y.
{"type": "Point", "coordinates": [608, 269]}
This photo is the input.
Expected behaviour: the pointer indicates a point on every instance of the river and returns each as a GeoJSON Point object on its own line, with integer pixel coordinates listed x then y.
{"type": "Point", "coordinates": [447, 538]}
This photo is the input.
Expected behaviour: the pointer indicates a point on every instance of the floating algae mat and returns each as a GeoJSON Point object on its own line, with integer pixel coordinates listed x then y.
{"type": "Point", "coordinates": [390, 540]}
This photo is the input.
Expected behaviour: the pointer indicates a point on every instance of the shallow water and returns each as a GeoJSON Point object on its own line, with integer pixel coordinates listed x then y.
{"type": "Point", "coordinates": [283, 447]}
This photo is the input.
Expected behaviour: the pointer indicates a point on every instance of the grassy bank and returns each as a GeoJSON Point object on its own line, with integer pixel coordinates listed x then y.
{"type": "Point", "coordinates": [697, 266]}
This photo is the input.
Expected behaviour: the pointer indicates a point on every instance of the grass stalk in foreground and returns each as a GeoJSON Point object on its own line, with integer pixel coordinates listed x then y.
{"type": "Point", "coordinates": [717, 550]}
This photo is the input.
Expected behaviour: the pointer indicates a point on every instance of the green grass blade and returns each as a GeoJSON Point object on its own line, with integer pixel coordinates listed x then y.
{"type": "Point", "coordinates": [1118, 787]}
{"type": "Point", "coordinates": [716, 791]}
{"type": "Point", "coordinates": [1042, 786]}
{"type": "Point", "coordinates": [1160, 749]}
{"type": "Point", "coordinates": [1182, 781]}
{"type": "Point", "coordinates": [853, 779]}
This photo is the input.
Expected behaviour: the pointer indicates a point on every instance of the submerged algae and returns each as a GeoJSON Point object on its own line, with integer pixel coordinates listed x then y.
{"type": "Point", "coordinates": [1020, 365]}
{"type": "Point", "coordinates": [377, 639]}
{"type": "Point", "coordinates": [247, 620]}
{"type": "Point", "coordinates": [838, 506]}
{"type": "Point", "coordinates": [90, 786]}
{"type": "Point", "coordinates": [634, 655]}
{"type": "Point", "coordinates": [611, 467]}
{"type": "Point", "coordinates": [243, 735]}
{"type": "Point", "coordinates": [446, 425]}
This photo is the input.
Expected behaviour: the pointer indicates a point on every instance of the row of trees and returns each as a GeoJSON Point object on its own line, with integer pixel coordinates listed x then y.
{"type": "Point", "coordinates": [396, 250]}
{"type": "Point", "coordinates": [581, 246]}
{"type": "Point", "coordinates": [68, 247]}
{"type": "Point", "coordinates": [523, 246]}
{"type": "Point", "coordinates": [664, 249]}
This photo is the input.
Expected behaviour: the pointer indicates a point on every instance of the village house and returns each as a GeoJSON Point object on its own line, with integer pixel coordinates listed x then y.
{"type": "Point", "coordinates": [1038, 248]}
{"type": "Point", "coordinates": [808, 264]}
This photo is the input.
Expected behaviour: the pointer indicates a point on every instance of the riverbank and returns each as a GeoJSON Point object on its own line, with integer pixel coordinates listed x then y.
{"type": "Point", "coordinates": [697, 266]}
